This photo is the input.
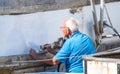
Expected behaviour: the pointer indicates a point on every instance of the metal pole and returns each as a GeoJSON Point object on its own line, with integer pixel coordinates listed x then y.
{"type": "Point", "coordinates": [101, 15]}
{"type": "Point", "coordinates": [94, 14]}
{"type": "Point", "coordinates": [96, 26]}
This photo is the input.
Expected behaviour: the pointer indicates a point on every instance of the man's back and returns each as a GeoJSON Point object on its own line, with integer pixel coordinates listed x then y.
{"type": "Point", "coordinates": [74, 48]}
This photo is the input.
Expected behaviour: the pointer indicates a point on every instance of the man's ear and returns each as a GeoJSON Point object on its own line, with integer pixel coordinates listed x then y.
{"type": "Point", "coordinates": [68, 31]}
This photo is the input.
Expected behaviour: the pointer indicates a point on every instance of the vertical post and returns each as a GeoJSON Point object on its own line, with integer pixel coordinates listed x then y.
{"type": "Point", "coordinates": [96, 26]}
{"type": "Point", "coordinates": [101, 15]}
{"type": "Point", "coordinates": [85, 66]}
{"type": "Point", "coordinates": [94, 14]}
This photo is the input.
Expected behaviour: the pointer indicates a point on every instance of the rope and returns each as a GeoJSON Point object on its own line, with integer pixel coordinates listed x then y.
{"type": "Point", "coordinates": [111, 22]}
{"type": "Point", "coordinates": [32, 61]}
{"type": "Point", "coordinates": [108, 15]}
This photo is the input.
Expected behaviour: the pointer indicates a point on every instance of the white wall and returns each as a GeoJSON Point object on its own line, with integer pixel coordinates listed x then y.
{"type": "Point", "coordinates": [19, 33]}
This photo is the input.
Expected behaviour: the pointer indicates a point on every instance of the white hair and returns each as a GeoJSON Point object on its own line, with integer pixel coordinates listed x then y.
{"type": "Point", "coordinates": [72, 24]}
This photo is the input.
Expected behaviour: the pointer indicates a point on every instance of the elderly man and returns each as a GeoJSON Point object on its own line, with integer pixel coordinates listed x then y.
{"type": "Point", "coordinates": [76, 46]}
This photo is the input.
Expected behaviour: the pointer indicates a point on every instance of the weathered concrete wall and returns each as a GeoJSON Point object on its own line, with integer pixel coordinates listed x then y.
{"type": "Point", "coordinates": [19, 64]}
{"type": "Point", "coordinates": [30, 6]}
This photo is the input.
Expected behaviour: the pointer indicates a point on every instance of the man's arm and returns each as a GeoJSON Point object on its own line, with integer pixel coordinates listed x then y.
{"type": "Point", "coordinates": [43, 58]}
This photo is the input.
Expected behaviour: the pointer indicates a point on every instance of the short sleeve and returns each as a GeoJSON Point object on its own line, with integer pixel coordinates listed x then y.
{"type": "Point", "coordinates": [64, 52]}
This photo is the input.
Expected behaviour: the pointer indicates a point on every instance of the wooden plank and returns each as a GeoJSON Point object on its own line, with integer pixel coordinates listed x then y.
{"type": "Point", "coordinates": [28, 70]}
{"type": "Point", "coordinates": [13, 62]}
{"type": "Point", "coordinates": [15, 65]}
{"type": "Point", "coordinates": [52, 73]}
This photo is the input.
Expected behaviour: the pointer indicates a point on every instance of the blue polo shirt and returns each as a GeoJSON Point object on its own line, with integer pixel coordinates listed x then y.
{"type": "Point", "coordinates": [72, 51]}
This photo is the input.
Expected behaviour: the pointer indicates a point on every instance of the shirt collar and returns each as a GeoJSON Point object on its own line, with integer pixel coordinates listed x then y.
{"type": "Point", "coordinates": [75, 33]}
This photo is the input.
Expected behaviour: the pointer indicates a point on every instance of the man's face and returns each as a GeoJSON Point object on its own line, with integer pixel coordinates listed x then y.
{"type": "Point", "coordinates": [65, 30]}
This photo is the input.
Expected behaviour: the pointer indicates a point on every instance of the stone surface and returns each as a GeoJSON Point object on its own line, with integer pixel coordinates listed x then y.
{"type": "Point", "coordinates": [29, 6]}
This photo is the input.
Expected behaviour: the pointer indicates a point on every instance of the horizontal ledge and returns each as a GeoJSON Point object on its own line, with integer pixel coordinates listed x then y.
{"type": "Point", "coordinates": [31, 6]}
